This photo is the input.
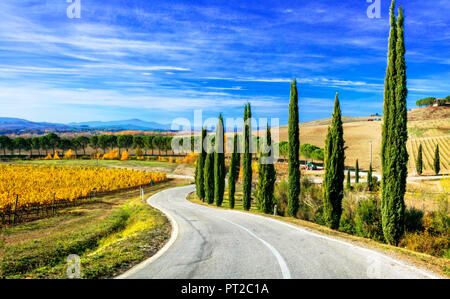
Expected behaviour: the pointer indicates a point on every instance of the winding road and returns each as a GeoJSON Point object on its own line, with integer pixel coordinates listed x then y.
{"type": "Point", "coordinates": [216, 243]}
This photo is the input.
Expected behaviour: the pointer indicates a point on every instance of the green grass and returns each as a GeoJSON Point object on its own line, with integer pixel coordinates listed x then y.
{"type": "Point", "coordinates": [110, 236]}
{"type": "Point", "coordinates": [440, 265]}
{"type": "Point", "coordinates": [102, 163]}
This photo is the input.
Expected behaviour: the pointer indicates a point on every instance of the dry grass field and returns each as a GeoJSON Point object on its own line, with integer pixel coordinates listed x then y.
{"type": "Point", "coordinates": [428, 148]}
{"type": "Point", "coordinates": [358, 133]}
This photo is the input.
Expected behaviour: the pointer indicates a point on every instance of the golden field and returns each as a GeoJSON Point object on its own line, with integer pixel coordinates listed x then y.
{"type": "Point", "coordinates": [428, 149]}
{"type": "Point", "coordinates": [37, 185]}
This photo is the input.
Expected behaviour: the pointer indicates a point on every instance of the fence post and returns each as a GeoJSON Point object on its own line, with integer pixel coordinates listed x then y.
{"type": "Point", "coordinates": [15, 208]}
{"type": "Point", "coordinates": [275, 210]}
{"type": "Point", "coordinates": [53, 203]}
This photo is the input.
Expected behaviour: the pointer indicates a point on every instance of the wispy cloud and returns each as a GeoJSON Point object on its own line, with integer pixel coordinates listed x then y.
{"type": "Point", "coordinates": [175, 57]}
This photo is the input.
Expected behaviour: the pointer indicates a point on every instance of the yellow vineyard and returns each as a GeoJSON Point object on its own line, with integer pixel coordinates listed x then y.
{"type": "Point", "coordinates": [38, 185]}
{"type": "Point", "coordinates": [428, 148]}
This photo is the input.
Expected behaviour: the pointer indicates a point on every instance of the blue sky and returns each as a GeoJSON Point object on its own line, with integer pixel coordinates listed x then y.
{"type": "Point", "coordinates": [158, 60]}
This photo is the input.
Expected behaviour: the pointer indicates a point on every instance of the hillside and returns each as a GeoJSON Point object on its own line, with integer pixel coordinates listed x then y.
{"type": "Point", "coordinates": [428, 113]}
{"type": "Point", "coordinates": [17, 125]}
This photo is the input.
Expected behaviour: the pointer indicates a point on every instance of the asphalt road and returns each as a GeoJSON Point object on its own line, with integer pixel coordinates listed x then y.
{"type": "Point", "coordinates": [216, 243]}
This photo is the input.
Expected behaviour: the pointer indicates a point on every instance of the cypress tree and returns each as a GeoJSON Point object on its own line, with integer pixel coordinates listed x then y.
{"type": "Point", "coordinates": [437, 166]}
{"type": "Point", "coordinates": [294, 144]}
{"type": "Point", "coordinates": [234, 170]}
{"type": "Point", "coordinates": [349, 182]}
{"type": "Point", "coordinates": [369, 178]}
{"type": "Point", "coordinates": [219, 163]}
{"type": "Point", "coordinates": [247, 161]}
{"type": "Point", "coordinates": [199, 171]}
{"type": "Point", "coordinates": [333, 183]}
{"type": "Point", "coordinates": [419, 162]}
{"type": "Point", "coordinates": [266, 179]}
{"type": "Point", "coordinates": [209, 176]}
{"type": "Point", "coordinates": [357, 172]}
{"type": "Point", "coordinates": [394, 156]}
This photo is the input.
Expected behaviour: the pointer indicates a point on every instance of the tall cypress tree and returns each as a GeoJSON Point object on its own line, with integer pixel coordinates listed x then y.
{"type": "Point", "coordinates": [199, 171]}
{"type": "Point", "coordinates": [437, 166]}
{"type": "Point", "coordinates": [266, 179]}
{"type": "Point", "coordinates": [419, 162]}
{"type": "Point", "coordinates": [394, 156]}
{"type": "Point", "coordinates": [234, 170]}
{"type": "Point", "coordinates": [370, 179]}
{"type": "Point", "coordinates": [247, 161]}
{"type": "Point", "coordinates": [294, 144]}
{"type": "Point", "coordinates": [219, 163]}
{"type": "Point", "coordinates": [357, 172]}
{"type": "Point", "coordinates": [333, 183]}
{"type": "Point", "coordinates": [209, 175]}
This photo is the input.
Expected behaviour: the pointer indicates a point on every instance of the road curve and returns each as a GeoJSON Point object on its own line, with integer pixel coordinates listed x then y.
{"type": "Point", "coordinates": [216, 243]}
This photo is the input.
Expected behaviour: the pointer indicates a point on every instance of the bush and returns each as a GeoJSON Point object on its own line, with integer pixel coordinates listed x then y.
{"type": "Point", "coordinates": [347, 222]}
{"type": "Point", "coordinates": [442, 216]}
{"type": "Point", "coordinates": [435, 239]}
{"type": "Point", "coordinates": [436, 245]}
{"type": "Point", "coordinates": [368, 220]}
{"type": "Point", "coordinates": [413, 220]}
{"type": "Point", "coordinates": [318, 216]}
{"type": "Point", "coordinates": [310, 199]}
{"type": "Point", "coordinates": [281, 195]}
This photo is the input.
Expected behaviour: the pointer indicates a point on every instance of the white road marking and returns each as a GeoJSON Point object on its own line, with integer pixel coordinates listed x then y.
{"type": "Point", "coordinates": [283, 266]}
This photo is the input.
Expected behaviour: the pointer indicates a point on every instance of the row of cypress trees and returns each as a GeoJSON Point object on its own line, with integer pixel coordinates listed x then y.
{"type": "Point", "coordinates": [266, 175]}
{"type": "Point", "coordinates": [247, 161]}
{"type": "Point", "coordinates": [436, 162]}
{"type": "Point", "coordinates": [394, 156]}
{"type": "Point", "coordinates": [333, 183]}
{"type": "Point", "coordinates": [210, 170]}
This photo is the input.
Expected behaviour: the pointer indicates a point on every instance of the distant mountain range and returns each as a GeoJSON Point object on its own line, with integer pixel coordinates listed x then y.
{"type": "Point", "coordinates": [9, 124]}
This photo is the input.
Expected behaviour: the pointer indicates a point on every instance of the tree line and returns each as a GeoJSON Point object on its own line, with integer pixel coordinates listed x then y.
{"type": "Point", "coordinates": [430, 101]}
{"type": "Point", "coordinates": [436, 161]}
{"type": "Point", "coordinates": [52, 142]}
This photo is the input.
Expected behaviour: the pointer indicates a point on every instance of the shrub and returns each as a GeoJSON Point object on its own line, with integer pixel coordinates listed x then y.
{"type": "Point", "coordinates": [436, 245]}
{"type": "Point", "coordinates": [125, 156]}
{"type": "Point", "coordinates": [442, 216]}
{"type": "Point", "coordinates": [368, 220]}
{"type": "Point", "coordinates": [375, 183]}
{"type": "Point", "coordinates": [413, 220]}
{"type": "Point", "coordinates": [318, 216]}
{"type": "Point", "coordinates": [112, 155]}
